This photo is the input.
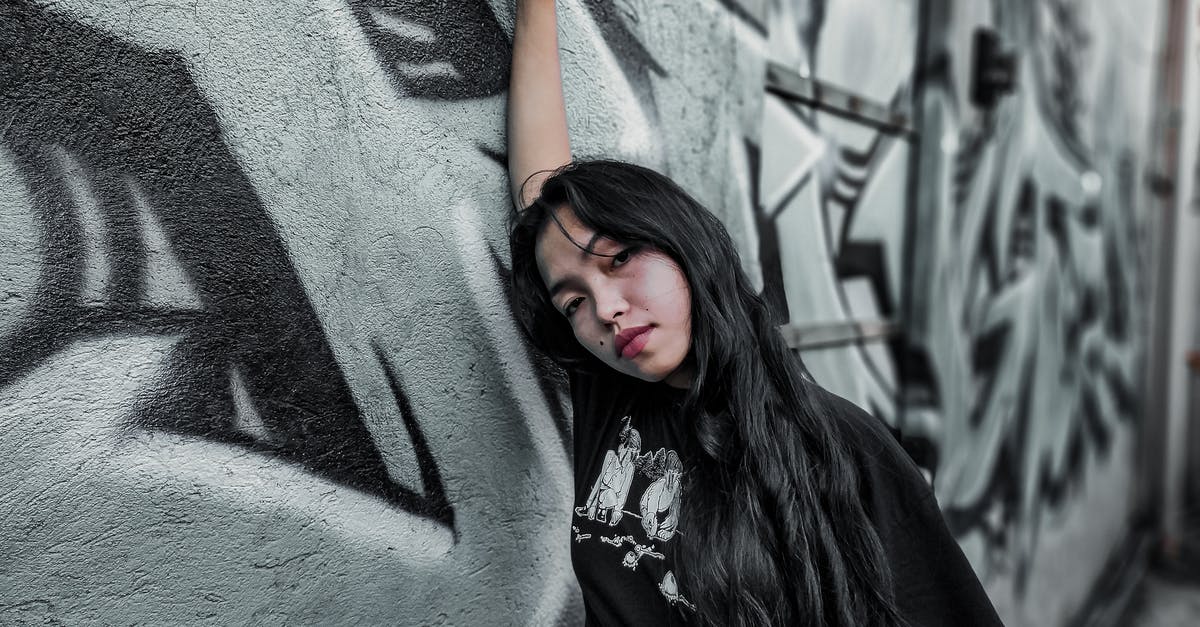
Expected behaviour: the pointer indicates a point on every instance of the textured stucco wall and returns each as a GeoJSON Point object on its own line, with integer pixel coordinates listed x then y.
{"type": "Point", "coordinates": [256, 363]}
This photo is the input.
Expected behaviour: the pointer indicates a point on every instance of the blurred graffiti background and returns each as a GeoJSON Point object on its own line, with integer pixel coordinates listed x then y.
{"type": "Point", "coordinates": [257, 363]}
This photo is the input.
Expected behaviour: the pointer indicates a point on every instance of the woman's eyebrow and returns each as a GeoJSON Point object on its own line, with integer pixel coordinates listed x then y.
{"type": "Point", "coordinates": [560, 284]}
{"type": "Point", "coordinates": [591, 245]}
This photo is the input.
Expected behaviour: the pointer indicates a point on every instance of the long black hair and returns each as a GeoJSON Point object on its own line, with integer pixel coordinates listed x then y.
{"type": "Point", "coordinates": [777, 533]}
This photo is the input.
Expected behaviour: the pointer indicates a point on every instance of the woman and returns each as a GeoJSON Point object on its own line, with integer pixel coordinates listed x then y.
{"type": "Point", "coordinates": [715, 482]}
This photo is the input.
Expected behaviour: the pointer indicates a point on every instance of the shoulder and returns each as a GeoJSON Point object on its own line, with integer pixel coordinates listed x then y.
{"type": "Point", "coordinates": [886, 468]}
{"type": "Point", "coordinates": [850, 420]}
{"type": "Point", "coordinates": [863, 431]}
{"type": "Point", "coordinates": [934, 583]}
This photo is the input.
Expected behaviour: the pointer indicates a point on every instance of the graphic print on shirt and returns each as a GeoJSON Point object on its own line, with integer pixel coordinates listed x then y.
{"type": "Point", "coordinates": [658, 506]}
{"type": "Point", "coordinates": [670, 589]}
{"type": "Point", "coordinates": [612, 487]}
{"type": "Point", "coordinates": [662, 497]}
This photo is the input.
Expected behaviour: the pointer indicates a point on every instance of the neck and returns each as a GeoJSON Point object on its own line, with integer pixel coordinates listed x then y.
{"type": "Point", "coordinates": [682, 376]}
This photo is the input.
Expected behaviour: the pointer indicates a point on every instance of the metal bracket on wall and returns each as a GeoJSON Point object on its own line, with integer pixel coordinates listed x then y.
{"type": "Point", "coordinates": [791, 85]}
{"type": "Point", "coordinates": [993, 69]}
{"type": "Point", "coordinates": [830, 334]}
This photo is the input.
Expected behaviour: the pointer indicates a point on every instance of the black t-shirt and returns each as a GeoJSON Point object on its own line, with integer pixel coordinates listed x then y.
{"type": "Point", "coordinates": [629, 469]}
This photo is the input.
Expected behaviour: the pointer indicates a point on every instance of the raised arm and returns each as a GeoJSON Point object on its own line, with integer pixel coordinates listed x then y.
{"type": "Point", "coordinates": [537, 117]}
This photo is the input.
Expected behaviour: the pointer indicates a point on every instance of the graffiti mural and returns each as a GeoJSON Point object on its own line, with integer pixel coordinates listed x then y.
{"type": "Point", "coordinates": [1017, 266]}
{"type": "Point", "coordinates": [256, 359]}
{"type": "Point", "coordinates": [1045, 215]}
{"type": "Point", "coordinates": [832, 211]}
{"type": "Point", "coordinates": [140, 235]}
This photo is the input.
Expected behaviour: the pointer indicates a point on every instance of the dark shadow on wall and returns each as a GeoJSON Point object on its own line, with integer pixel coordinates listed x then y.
{"type": "Point", "coordinates": [252, 344]}
{"type": "Point", "coordinates": [750, 13]}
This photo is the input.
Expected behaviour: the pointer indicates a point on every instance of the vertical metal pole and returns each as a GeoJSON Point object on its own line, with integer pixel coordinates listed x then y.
{"type": "Point", "coordinates": [1183, 289]}
{"type": "Point", "coordinates": [1164, 429]}
{"type": "Point", "coordinates": [929, 62]}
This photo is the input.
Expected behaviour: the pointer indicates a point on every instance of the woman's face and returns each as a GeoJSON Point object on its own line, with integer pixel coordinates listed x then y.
{"type": "Point", "coordinates": [628, 306]}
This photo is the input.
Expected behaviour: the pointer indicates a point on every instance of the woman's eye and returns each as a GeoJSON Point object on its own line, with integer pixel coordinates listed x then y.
{"type": "Point", "coordinates": [622, 257]}
{"type": "Point", "coordinates": [572, 305]}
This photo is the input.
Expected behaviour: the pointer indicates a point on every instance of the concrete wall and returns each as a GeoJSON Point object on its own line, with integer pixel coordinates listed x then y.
{"type": "Point", "coordinates": [1011, 246]}
{"type": "Point", "coordinates": [256, 362]}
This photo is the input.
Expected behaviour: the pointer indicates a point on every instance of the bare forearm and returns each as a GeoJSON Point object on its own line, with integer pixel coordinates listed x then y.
{"type": "Point", "coordinates": [537, 119]}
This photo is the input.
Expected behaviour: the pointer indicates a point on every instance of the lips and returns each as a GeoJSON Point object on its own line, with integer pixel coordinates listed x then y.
{"type": "Point", "coordinates": [628, 335]}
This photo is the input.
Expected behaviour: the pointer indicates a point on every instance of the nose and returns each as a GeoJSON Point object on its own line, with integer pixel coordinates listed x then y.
{"type": "Point", "coordinates": [610, 304]}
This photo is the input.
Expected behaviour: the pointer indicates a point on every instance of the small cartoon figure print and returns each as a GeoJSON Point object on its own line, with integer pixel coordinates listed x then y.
{"type": "Point", "coordinates": [670, 590]}
{"type": "Point", "coordinates": [611, 489]}
{"type": "Point", "coordinates": [580, 537]}
{"type": "Point", "coordinates": [662, 496]}
{"type": "Point", "coordinates": [638, 552]}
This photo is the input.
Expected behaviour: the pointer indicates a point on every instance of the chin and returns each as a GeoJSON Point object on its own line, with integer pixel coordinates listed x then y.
{"type": "Point", "coordinates": [645, 376]}
{"type": "Point", "coordinates": [653, 372]}
{"type": "Point", "coordinates": [657, 375]}
{"type": "Point", "coordinates": [650, 376]}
